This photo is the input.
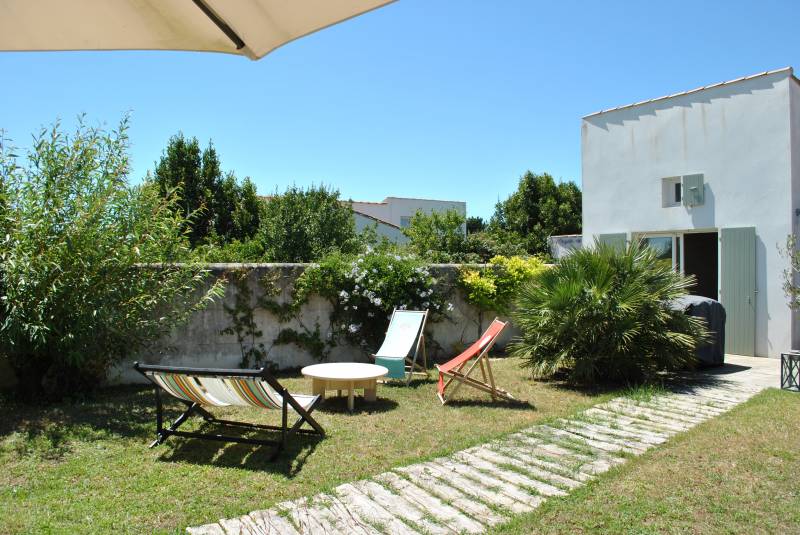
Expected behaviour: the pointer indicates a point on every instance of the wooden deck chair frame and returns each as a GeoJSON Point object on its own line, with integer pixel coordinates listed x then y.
{"type": "Point", "coordinates": [412, 367]}
{"type": "Point", "coordinates": [162, 432]}
{"type": "Point", "coordinates": [462, 377]}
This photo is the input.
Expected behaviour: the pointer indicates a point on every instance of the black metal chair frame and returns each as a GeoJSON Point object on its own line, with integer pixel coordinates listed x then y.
{"type": "Point", "coordinates": [162, 433]}
{"type": "Point", "coordinates": [790, 371]}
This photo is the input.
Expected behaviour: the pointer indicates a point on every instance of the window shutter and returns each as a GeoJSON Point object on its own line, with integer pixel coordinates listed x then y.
{"type": "Point", "coordinates": [693, 190]}
{"type": "Point", "coordinates": [615, 240]}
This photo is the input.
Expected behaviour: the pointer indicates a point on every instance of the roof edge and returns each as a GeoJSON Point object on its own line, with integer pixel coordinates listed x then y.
{"type": "Point", "coordinates": [790, 71]}
{"type": "Point", "coordinates": [381, 221]}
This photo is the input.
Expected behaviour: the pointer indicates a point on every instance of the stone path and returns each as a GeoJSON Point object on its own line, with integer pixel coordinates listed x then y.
{"type": "Point", "coordinates": [488, 484]}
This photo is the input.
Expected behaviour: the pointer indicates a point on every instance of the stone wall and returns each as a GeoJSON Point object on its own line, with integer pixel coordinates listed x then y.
{"type": "Point", "coordinates": [201, 343]}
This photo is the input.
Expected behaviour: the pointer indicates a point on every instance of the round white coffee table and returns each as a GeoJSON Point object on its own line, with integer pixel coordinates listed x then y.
{"type": "Point", "coordinates": [345, 376]}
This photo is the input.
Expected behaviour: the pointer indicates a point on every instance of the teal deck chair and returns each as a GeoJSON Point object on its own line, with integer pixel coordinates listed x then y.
{"type": "Point", "coordinates": [400, 350]}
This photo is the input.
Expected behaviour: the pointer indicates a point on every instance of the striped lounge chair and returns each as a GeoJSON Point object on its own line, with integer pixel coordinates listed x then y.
{"type": "Point", "coordinates": [198, 388]}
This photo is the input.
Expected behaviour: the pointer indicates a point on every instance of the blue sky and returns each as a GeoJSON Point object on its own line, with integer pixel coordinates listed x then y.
{"type": "Point", "coordinates": [450, 99]}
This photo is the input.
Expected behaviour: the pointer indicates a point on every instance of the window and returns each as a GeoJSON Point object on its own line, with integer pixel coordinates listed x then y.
{"type": "Point", "coordinates": [663, 246]}
{"type": "Point", "coordinates": [671, 191]}
{"type": "Point", "coordinates": [668, 247]}
{"type": "Point", "coordinates": [405, 221]}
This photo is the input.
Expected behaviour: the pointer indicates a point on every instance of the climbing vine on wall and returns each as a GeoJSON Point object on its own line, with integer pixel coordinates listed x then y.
{"type": "Point", "coordinates": [243, 324]}
{"type": "Point", "coordinates": [363, 290]}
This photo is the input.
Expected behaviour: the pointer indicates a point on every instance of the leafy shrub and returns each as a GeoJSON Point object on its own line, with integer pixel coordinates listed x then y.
{"type": "Point", "coordinates": [365, 288]}
{"type": "Point", "coordinates": [485, 245]}
{"type": "Point", "coordinates": [437, 237]}
{"type": "Point", "coordinates": [305, 225]}
{"type": "Point", "coordinates": [494, 287]}
{"type": "Point", "coordinates": [80, 290]}
{"type": "Point", "coordinates": [605, 314]}
{"type": "Point", "coordinates": [235, 251]}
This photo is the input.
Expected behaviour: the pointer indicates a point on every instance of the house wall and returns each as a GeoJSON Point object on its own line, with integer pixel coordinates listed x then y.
{"type": "Point", "coordinates": [794, 102]}
{"type": "Point", "coordinates": [393, 209]}
{"type": "Point", "coordinates": [738, 136]}
{"type": "Point", "coordinates": [201, 343]}
{"type": "Point", "coordinates": [390, 232]}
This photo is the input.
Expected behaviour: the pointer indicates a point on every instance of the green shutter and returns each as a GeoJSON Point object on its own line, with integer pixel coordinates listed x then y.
{"type": "Point", "coordinates": [693, 190]}
{"type": "Point", "coordinates": [616, 240]}
{"type": "Point", "coordinates": [738, 295]}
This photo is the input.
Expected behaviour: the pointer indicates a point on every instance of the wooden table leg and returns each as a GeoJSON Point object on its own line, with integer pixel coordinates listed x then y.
{"type": "Point", "coordinates": [371, 393]}
{"type": "Point", "coordinates": [318, 388]}
{"type": "Point", "coordinates": [351, 398]}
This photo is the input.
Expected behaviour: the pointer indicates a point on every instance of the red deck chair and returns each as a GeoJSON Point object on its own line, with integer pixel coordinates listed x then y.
{"type": "Point", "coordinates": [478, 352]}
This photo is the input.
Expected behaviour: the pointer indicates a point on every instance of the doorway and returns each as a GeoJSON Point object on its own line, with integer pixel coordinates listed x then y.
{"type": "Point", "coordinates": [691, 253]}
{"type": "Point", "coordinates": [700, 258]}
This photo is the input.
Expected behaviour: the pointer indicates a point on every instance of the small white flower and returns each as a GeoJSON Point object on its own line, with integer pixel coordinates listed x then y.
{"type": "Point", "coordinates": [377, 301]}
{"type": "Point", "coordinates": [355, 307]}
{"type": "Point", "coordinates": [450, 307]}
{"type": "Point", "coordinates": [353, 328]}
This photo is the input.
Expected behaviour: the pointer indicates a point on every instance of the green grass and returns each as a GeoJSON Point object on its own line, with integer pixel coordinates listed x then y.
{"type": "Point", "coordinates": [737, 473]}
{"type": "Point", "coordinates": [85, 467]}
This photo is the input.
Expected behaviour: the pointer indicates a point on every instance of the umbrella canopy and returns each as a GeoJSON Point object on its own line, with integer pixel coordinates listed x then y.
{"type": "Point", "coordinates": [251, 28]}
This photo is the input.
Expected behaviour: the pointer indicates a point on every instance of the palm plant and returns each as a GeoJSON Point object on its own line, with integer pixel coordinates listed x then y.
{"type": "Point", "coordinates": [606, 313]}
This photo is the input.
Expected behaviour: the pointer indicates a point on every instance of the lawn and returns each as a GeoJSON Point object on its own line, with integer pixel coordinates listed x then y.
{"type": "Point", "coordinates": [85, 466]}
{"type": "Point", "coordinates": [734, 474]}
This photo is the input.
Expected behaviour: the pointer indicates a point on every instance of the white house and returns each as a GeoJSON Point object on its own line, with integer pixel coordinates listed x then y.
{"type": "Point", "coordinates": [710, 177]}
{"type": "Point", "coordinates": [394, 213]}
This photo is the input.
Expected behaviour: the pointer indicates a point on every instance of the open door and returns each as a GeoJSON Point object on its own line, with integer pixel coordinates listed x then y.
{"type": "Point", "coordinates": [739, 289]}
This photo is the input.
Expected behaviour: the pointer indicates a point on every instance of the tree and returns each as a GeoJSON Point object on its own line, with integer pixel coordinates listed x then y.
{"type": "Point", "coordinates": [438, 236]}
{"type": "Point", "coordinates": [539, 208]}
{"type": "Point", "coordinates": [215, 206]}
{"type": "Point", "coordinates": [475, 224]}
{"type": "Point", "coordinates": [80, 286]}
{"type": "Point", "coordinates": [302, 225]}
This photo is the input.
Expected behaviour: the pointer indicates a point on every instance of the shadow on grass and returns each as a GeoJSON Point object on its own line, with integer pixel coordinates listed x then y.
{"type": "Point", "coordinates": [338, 405]}
{"type": "Point", "coordinates": [520, 405]}
{"type": "Point", "coordinates": [242, 456]}
{"type": "Point", "coordinates": [414, 384]}
{"type": "Point", "coordinates": [123, 412]}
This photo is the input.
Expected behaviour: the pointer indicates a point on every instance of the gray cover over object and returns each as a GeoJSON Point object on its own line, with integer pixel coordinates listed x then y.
{"type": "Point", "coordinates": [713, 353]}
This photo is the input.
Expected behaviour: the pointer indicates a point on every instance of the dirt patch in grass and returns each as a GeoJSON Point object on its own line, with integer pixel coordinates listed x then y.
{"type": "Point", "coordinates": [733, 474]}
{"type": "Point", "coordinates": [85, 467]}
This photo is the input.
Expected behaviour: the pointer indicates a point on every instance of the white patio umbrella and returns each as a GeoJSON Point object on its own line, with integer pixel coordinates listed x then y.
{"type": "Point", "coordinates": [251, 28]}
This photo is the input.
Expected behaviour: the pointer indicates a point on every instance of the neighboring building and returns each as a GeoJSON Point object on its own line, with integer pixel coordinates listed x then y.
{"type": "Point", "coordinates": [561, 246]}
{"type": "Point", "coordinates": [711, 178]}
{"type": "Point", "coordinates": [382, 228]}
{"type": "Point", "coordinates": [395, 213]}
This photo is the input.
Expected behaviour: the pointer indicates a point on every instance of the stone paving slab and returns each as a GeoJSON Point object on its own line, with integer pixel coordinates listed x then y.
{"type": "Point", "coordinates": [486, 485]}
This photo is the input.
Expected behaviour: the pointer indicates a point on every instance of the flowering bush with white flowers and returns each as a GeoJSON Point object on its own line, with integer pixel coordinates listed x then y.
{"type": "Point", "coordinates": [364, 289]}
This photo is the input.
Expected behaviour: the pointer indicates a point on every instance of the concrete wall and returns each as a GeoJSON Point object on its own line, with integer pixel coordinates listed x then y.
{"type": "Point", "coordinates": [738, 136]}
{"type": "Point", "coordinates": [393, 209]}
{"type": "Point", "coordinates": [201, 344]}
